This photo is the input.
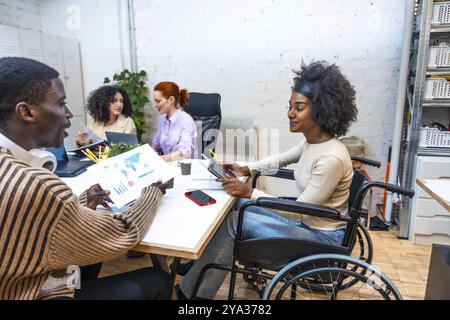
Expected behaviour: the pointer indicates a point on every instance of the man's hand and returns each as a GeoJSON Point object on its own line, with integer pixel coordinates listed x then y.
{"type": "Point", "coordinates": [163, 186]}
{"type": "Point", "coordinates": [236, 188]}
{"type": "Point", "coordinates": [97, 196]}
{"type": "Point", "coordinates": [237, 170]}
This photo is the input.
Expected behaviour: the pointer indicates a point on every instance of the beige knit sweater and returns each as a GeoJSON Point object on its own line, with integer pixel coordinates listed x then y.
{"type": "Point", "coordinates": [323, 175]}
{"type": "Point", "coordinates": [44, 229]}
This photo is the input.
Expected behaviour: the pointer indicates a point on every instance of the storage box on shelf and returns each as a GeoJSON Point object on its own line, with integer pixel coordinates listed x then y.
{"type": "Point", "coordinates": [432, 137]}
{"type": "Point", "coordinates": [441, 13]}
{"type": "Point", "coordinates": [439, 56]}
{"type": "Point", "coordinates": [437, 88]}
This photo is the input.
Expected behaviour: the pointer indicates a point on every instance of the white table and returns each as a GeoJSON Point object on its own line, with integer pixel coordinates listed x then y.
{"type": "Point", "coordinates": [181, 228]}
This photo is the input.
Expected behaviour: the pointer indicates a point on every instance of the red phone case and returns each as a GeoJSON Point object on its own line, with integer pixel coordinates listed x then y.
{"type": "Point", "coordinates": [213, 201]}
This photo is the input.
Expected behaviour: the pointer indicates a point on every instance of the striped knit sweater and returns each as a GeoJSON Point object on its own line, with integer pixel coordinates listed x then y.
{"type": "Point", "coordinates": [44, 229]}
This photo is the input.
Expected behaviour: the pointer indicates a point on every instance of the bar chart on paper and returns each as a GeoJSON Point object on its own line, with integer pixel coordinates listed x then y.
{"type": "Point", "coordinates": [127, 174]}
{"type": "Point", "coordinates": [120, 189]}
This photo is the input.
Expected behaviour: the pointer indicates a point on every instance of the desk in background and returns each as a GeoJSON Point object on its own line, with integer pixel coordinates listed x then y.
{"type": "Point", "coordinates": [432, 189]}
{"type": "Point", "coordinates": [438, 279]}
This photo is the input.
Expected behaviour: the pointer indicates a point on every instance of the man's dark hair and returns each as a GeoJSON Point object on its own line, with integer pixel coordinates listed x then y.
{"type": "Point", "coordinates": [331, 95]}
{"type": "Point", "coordinates": [99, 100]}
{"type": "Point", "coordinates": [23, 80]}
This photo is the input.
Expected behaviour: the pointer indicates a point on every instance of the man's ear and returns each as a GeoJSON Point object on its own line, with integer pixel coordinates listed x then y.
{"type": "Point", "coordinates": [26, 112]}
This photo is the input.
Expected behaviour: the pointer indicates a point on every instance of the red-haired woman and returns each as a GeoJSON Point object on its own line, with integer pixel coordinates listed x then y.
{"type": "Point", "coordinates": [177, 132]}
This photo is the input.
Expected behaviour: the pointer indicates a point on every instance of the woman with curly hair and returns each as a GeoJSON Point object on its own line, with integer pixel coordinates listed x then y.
{"type": "Point", "coordinates": [321, 107]}
{"type": "Point", "coordinates": [110, 110]}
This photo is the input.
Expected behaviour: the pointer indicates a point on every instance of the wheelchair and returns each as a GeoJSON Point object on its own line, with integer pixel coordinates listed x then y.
{"type": "Point", "coordinates": [311, 269]}
{"type": "Point", "coordinates": [363, 247]}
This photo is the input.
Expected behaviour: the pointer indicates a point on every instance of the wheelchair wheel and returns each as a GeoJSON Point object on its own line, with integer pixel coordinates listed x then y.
{"type": "Point", "coordinates": [363, 248]}
{"type": "Point", "coordinates": [330, 277]}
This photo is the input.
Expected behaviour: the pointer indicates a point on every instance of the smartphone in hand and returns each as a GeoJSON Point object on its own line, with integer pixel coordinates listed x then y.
{"type": "Point", "coordinates": [219, 170]}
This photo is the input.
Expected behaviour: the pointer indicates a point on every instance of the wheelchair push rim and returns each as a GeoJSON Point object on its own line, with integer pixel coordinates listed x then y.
{"type": "Point", "coordinates": [335, 275]}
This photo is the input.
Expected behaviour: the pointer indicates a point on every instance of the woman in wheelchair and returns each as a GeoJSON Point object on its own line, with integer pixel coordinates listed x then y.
{"type": "Point", "coordinates": [321, 107]}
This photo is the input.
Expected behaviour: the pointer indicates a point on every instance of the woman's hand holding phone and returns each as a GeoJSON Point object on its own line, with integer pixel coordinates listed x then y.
{"type": "Point", "coordinates": [235, 187]}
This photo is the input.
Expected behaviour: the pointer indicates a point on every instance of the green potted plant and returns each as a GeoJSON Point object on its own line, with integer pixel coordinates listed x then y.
{"type": "Point", "coordinates": [119, 148]}
{"type": "Point", "coordinates": [133, 84]}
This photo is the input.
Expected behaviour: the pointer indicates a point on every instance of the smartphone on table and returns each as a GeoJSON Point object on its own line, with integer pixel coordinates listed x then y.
{"type": "Point", "coordinates": [200, 198]}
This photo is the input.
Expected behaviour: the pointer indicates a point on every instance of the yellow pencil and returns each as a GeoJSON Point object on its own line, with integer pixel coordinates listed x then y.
{"type": "Point", "coordinates": [214, 155]}
{"type": "Point", "coordinates": [93, 156]}
{"type": "Point", "coordinates": [89, 152]}
{"type": "Point", "coordinates": [88, 155]}
{"type": "Point", "coordinates": [82, 151]}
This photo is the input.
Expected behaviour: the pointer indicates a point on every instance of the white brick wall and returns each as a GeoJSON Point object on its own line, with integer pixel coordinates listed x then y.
{"type": "Point", "coordinates": [21, 13]}
{"type": "Point", "coordinates": [245, 50]}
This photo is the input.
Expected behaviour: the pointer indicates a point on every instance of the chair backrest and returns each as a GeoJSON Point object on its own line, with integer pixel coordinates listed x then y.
{"type": "Point", "coordinates": [359, 179]}
{"type": "Point", "coordinates": [204, 108]}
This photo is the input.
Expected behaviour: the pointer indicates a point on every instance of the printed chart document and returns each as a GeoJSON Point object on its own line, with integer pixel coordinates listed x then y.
{"type": "Point", "coordinates": [127, 174]}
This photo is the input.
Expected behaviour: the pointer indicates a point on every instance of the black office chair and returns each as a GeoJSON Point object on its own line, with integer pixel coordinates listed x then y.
{"type": "Point", "coordinates": [204, 108]}
{"type": "Point", "coordinates": [326, 269]}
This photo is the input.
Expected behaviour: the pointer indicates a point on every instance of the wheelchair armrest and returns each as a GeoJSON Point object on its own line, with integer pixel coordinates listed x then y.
{"type": "Point", "coordinates": [369, 162]}
{"type": "Point", "coordinates": [276, 173]}
{"type": "Point", "coordinates": [288, 198]}
{"type": "Point", "coordinates": [291, 206]}
{"type": "Point", "coordinates": [300, 208]}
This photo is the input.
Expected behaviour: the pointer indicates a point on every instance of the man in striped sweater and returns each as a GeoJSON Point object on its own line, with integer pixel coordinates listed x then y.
{"type": "Point", "coordinates": [45, 230]}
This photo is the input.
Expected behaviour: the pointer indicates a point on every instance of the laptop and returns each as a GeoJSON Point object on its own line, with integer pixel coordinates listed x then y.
{"type": "Point", "coordinates": [125, 138]}
{"type": "Point", "coordinates": [66, 167]}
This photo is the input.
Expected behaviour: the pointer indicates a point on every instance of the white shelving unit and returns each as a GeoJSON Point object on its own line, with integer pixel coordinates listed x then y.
{"type": "Point", "coordinates": [427, 154]}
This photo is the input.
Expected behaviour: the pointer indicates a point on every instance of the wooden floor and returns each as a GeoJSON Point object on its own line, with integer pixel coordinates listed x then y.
{"type": "Point", "coordinates": [405, 264]}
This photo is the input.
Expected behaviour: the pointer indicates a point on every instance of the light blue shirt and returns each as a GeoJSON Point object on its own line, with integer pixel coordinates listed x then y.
{"type": "Point", "coordinates": [177, 133]}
